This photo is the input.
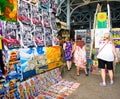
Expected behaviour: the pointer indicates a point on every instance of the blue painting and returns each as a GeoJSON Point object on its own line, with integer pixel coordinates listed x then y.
{"type": "Point", "coordinates": [40, 60]}
{"type": "Point", "coordinates": [28, 60]}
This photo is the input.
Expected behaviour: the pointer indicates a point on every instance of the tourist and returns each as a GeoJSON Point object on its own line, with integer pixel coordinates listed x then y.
{"type": "Point", "coordinates": [79, 50]}
{"type": "Point", "coordinates": [106, 55]}
{"type": "Point", "coordinates": [67, 46]}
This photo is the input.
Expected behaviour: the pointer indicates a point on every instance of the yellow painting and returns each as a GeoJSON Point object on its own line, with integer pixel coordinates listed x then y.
{"type": "Point", "coordinates": [53, 55]}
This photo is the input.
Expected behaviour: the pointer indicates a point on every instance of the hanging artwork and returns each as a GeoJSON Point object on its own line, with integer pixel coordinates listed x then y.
{"type": "Point", "coordinates": [11, 39]}
{"type": "Point", "coordinates": [27, 62]}
{"type": "Point", "coordinates": [40, 60]}
{"type": "Point", "coordinates": [38, 35]}
{"type": "Point", "coordinates": [8, 10]}
{"type": "Point", "coordinates": [44, 4]}
{"type": "Point", "coordinates": [27, 36]}
{"type": "Point", "coordinates": [24, 12]}
{"type": "Point", "coordinates": [36, 15]}
{"type": "Point", "coordinates": [116, 37]}
{"type": "Point", "coordinates": [24, 16]}
{"type": "Point", "coordinates": [48, 36]}
{"type": "Point", "coordinates": [46, 19]}
{"type": "Point", "coordinates": [53, 55]}
{"type": "Point", "coordinates": [32, 61]}
{"type": "Point", "coordinates": [53, 6]}
{"type": "Point", "coordinates": [12, 64]}
{"type": "Point", "coordinates": [32, 2]}
{"type": "Point", "coordinates": [102, 20]}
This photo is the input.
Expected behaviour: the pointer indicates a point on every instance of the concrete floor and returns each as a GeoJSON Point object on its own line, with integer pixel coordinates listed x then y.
{"type": "Point", "coordinates": [89, 86]}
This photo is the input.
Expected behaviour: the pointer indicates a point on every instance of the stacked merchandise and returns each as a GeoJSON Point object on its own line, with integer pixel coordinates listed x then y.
{"type": "Point", "coordinates": [95, 69]}
{"type": "Point", "coordinates": [88, 48]}
{"type": "Point", "coordinates": [49, 85]}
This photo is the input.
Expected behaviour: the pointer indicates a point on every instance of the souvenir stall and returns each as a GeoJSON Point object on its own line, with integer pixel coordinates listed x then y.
{"type": "Point", "coordinates": [30, 52]}
{"type": "Point", "coordinates": [101, 26]}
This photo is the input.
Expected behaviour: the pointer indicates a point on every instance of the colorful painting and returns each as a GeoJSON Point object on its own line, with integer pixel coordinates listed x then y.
{"type": "Point", "coordinates": [24, 12]}
{"type": "Point", "coordinates": [2, 91]}
{"type": "Point", "coordinates": [48, 36]}
{"type": "Point", "coordinates": [11, 39]}
{"type": "Point", "coordinates": [48, 85]}
{"type": "Point", "coordinates": [8, 10]}
{"type": "Point", "coordinates": [13, 90]}
{"type": "Point", "coordinates": [102, 20]}
{"type": "Point", "coordinates": [36, 15]}
{"type": "Point", "coordinates": [38, 35]}
{"type": "Point", "coordinates": [41, 60]}
{"type": "Point", "coordinates": [46, 18]}
{"type": "Point", "coordinates": [116, 36]}
{"type": "Point", "coordinates": [22, 92]}
{"type": "Point", "coordinates": [53, 54]}
{"type": "Point", "coordinates": [12, 65]}
{"type": "Point", "coordinates": [44, 4]}
{"type": "Point", "coordinates": [29, 60]}
{"type": "Point", "coordinates": [53, 6]}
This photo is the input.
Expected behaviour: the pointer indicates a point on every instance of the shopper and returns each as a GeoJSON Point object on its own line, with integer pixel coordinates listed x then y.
{"type": "Point", "coordinates": [67, 46]}
{"type": "Point", "coordinates": [106, 55]}
{"type": "Point", "coordinates": [79, 50]}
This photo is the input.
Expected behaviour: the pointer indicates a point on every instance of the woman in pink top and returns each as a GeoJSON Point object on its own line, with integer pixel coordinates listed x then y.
{"type": "Point", "coordinates": [79, 50]}
{"type": "Point", "coordinates": [107, 54]}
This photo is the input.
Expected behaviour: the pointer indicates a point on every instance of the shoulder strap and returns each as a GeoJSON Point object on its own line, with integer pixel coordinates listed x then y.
{"type": "Point", "coordinates": [102, 48]}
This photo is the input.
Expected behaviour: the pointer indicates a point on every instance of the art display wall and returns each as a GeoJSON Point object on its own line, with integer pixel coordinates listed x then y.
{"type": "Point", "coordinates": [30, 44]}
{"type": "Point", "coordinates": [29, 47]}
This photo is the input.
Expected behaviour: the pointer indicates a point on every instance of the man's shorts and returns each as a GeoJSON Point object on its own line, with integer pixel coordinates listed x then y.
{"type": "Point", "coordinates": [105, 64]}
